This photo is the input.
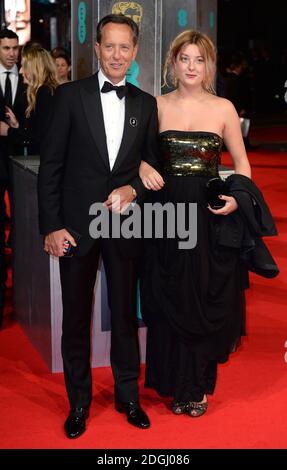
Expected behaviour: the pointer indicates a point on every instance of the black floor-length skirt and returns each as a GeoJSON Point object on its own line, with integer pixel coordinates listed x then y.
{"type": "Point", "coordinates": [192, 300]}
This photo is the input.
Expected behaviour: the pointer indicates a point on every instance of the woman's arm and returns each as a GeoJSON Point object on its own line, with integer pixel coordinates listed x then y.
{"type": "Point", "coordinates": [233, 140]}
{"type": "Point", "coordinates": [151, 179]}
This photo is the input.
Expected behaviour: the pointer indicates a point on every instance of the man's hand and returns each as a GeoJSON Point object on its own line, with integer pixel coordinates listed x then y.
{"type": "Point", "coordinates": [11, 118]}
{"type": "Point", "coordinates": [119, 199]}
{"type": "Point", "coordinates": [54, 242]}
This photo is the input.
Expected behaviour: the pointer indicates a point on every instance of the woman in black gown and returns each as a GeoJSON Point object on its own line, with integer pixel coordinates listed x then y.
{"type": "Point", "coordinates": [192, 300]}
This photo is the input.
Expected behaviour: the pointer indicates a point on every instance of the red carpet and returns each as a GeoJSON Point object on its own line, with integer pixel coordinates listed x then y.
{"type": "Point", "coordinates": [248, 409]}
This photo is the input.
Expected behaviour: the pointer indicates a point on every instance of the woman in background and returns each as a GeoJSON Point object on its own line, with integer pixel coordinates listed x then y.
{"type": "Point", "coordinates": [40, 74]}
{"type": "Point", "coordinates": [63, 64]}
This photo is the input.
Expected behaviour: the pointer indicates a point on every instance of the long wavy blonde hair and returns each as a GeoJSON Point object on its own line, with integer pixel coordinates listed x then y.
{"type": "Point", "coordinates": [206, 49]}
{"type": "Point", "coordinates": [39, 69]}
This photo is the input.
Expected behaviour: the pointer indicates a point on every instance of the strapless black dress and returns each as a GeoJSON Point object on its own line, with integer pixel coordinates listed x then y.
{"type": "Point", "coordinates": [192, 301]}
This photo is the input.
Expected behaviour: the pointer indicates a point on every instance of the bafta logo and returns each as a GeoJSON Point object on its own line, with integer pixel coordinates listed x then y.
{"type": "Point", "coordinates": [131, 9]}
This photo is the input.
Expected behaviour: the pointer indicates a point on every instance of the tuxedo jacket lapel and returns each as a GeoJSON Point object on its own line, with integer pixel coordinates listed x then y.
{"type": "Point", "coordinates": [132, 121]}
{"type": "Point", "coordinates": [91, 99]}
{"type": "Point", "coordinates": [19, 91]}
{"type": "Point", "coordinates": [19, 103]}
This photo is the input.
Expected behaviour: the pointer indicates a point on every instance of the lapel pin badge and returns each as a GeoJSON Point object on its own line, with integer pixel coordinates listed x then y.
{"type": "Point", "coordinates": [133, 121]}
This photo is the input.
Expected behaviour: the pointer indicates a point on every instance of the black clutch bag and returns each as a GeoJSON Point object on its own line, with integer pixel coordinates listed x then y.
{"type": "Point", "coordinates": [214, 188]}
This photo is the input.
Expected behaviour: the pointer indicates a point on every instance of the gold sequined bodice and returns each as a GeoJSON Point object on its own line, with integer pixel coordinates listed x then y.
{"type": "Point", "coordinates": [191, 153]}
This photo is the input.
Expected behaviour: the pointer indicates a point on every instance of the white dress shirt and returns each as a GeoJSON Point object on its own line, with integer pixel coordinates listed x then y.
{"type": "Point", "coordinates": [114, 118]}
{"type": "Point", "coordinates": [14, 76]}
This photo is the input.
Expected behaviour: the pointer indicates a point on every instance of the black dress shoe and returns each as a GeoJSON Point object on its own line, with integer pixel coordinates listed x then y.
{"type": "Point", "coordinates": [134, 413]}
{"type": "Point", "coordinates": [75, 424]}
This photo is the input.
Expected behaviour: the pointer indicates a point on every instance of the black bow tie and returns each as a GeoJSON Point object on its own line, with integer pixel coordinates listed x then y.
{"type": "Point", "coordinates": [121, 90]}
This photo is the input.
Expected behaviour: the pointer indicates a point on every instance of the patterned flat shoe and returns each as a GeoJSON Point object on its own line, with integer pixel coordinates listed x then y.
{"type": "Point", "coordinates": [196, 409]}
{"type": "Point", "coordinates": [179, 407]}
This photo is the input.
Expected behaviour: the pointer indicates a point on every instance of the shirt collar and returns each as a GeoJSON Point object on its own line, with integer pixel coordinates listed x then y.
{"type": "Point", "coordinates": [102, 78]}
{"type": "Point", "coordinates": [14, 69]}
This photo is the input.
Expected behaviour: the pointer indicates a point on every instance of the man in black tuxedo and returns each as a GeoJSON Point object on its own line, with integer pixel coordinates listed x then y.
{"type": "Point", "coordinates": [13, 95]}
{"type": "Point", "coordinates": [92, 153]}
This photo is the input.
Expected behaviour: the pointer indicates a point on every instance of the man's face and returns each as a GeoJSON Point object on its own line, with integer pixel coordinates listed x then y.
{"type": "Point", "coordinates": [9, 51]}
{"type": "Point", "coordinates": [116, 51]}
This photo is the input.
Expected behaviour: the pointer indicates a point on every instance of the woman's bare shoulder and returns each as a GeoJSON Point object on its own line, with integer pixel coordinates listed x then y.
{"type": "Point", "coordinates": [164, 99]}
{"type": "Point", "coordinates": [223, 103]}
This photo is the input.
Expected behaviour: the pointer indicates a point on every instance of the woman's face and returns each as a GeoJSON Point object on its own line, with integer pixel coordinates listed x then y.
{"type": "Point", "coordinates": [189, 66]}
{"type": "Point", "coordinates": [63, 68]}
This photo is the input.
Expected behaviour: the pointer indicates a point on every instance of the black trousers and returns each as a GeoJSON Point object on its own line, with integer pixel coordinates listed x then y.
{"type": "Point", "coordinates": [78, 275]}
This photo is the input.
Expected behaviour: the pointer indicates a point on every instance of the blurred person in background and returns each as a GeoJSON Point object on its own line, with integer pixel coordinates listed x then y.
{"type": "Point", "coordinates": [13, 95]}
{"type": "Point", "coordinates": [40, 74]}
{"type": "Point", "coordinates": [63, 64]}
